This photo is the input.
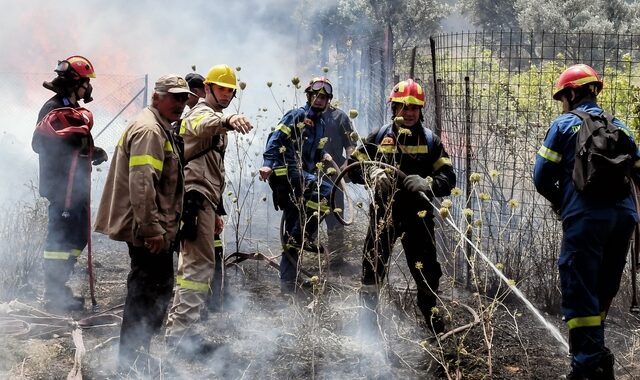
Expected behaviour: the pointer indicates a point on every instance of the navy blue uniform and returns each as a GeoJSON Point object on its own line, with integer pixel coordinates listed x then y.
{"type": "Point", "coordinates": [338, 131]}
{"type": "Point", "coordinates": [67, 227]}
{"type": "Point", "coordinates": [415, 151]}
{"type": "Point", "coordinates": [292, 151]}
{"type": "Point", "coordinates": [595, 241]}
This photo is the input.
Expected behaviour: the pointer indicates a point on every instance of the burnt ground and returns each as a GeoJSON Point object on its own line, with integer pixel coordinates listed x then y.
{"type": "Point", "coordinates": [317, 334]}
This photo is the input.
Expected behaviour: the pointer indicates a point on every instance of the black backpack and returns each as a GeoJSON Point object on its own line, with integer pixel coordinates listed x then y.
{"type": "Point", "coordinates": [604, 158]}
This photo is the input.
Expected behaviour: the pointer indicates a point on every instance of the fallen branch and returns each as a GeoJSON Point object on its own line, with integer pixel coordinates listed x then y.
{"type": "Point", "coordinates": [476, 321]}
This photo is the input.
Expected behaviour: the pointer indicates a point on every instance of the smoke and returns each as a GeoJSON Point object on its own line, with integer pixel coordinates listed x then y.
{"type": "Point", "coordinates": [126, 40]}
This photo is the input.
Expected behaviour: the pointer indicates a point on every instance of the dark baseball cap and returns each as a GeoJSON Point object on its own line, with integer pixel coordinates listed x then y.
{"type": "Point", "coordinates": [194, 80]}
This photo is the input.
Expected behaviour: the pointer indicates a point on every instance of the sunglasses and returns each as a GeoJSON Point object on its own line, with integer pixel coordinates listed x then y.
{"type": "Point", "coordinates": [180, 97]}
{"type": "Point", "coordinates": [320, 85]}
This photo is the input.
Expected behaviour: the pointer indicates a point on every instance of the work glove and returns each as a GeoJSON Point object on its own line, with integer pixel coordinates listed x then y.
{"type": "Point", "coordinates": [99, 156]}
{"type": "Point", "coordinates": [414, 183]}
{"type": "Point", "coordinates": [379, 179]}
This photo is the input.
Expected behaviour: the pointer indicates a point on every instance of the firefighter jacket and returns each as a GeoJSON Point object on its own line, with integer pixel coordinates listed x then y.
{"type": "Point", "coordinates": [296, 144]}
{"type": "Point", "coordinates": [338, 130]}
{"type": "Point", "coordinates": [55, 160]}
{"type": "Point", "coordinates": [143, 193]}
{"type": "Point", "coordinates": [554, 164]}
{"type": "Point", "coordinates": [204, 132]}
{"type": "Point", "coordinates": [414, 150]}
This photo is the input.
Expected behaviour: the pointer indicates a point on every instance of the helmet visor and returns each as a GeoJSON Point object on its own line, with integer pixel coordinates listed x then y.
{"type": "Point", "coordinates": [320, 86]}
{"type": "Point", "coordinates": [63, 67]}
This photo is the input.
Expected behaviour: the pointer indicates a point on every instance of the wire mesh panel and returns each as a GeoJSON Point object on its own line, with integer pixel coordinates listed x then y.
{"type": "Point", "coordinates": [495, 105]}
{"type": "Point", "coordinates": [22, 95]}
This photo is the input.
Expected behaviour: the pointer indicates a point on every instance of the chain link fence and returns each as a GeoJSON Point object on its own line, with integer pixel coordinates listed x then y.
{"type": "Point", "coordinates": [491, 103]}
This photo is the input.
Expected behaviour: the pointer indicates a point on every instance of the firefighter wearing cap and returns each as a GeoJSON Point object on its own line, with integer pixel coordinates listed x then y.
{"type": "Point", "coordinates": [204, 131]}
{"type": "Point", "coordinates": [140, 204]}
{"type": "Point", "coordinates": [196, 85]}
{"type": "Point", "coordinates": [398, 210]}
{"type": "Point", "coordinates": [596, 232]}
{"type": "Point", "coordinates": [65, 177]}
{"type": "Point", "coordinates": [289, 163]}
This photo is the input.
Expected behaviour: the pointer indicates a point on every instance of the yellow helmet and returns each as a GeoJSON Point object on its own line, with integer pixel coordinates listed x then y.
{"type": "Point", "coordinates": [222, 75]}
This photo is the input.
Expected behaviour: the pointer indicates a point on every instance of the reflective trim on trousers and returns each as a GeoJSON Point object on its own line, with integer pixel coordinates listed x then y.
{"type": "Point", "coordinates": [183, 283]}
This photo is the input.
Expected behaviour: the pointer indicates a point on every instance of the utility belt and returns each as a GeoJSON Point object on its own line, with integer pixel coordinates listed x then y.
{"type": "Point", "coordinates": [194, 201]}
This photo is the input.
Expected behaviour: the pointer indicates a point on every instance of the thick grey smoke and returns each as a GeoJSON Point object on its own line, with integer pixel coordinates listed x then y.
{"type": "Point", "coordinates": [130, 39]}
{"type": "Point", "coordinates": [126, 40]}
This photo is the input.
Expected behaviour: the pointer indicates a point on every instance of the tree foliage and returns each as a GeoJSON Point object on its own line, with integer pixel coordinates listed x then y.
{"type": "Point", "coordinates": [596, 16]}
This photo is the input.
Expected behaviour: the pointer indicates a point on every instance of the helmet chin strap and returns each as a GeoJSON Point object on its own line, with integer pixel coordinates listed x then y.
{"type": "Point", "coordinates": [218, 104]}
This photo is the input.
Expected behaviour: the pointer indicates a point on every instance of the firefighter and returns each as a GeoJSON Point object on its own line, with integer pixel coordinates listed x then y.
{"type": "Point", "coordinates": [339, 146]}
{"type": "Point", "coordinates": [596, 231]}
{"type": "Point", "coordinates": [65, 180]}
{"type": "Point", "coordinates": [289, 163]}
{"type": "Point", "coordinates": [196, 86]}
{"type": "Point", "coordinates": [204, 131]}
{"type": "Point", "coordinates": [140, 204]}
{"type": "Point", "coordinates": [218, 290]}
{"type": "Point", "coordinates": [398, 210]}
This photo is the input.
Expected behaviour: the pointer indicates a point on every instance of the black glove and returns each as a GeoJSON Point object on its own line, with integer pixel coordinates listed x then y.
{"type": "Point", "coordinates": [415, 183]}
{"type": "Point", "coordinates": [99, 156]}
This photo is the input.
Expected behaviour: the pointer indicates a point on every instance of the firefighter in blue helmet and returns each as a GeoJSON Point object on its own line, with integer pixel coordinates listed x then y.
{"type": "Point", "coordinates": [596, 230]}
{"type": "Point", "coordinates": [292, 152]}
{"type": "Point", "coordinates": [398, 210]}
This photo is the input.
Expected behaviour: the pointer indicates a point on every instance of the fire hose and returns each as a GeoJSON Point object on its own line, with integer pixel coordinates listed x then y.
{"type": "Point", "coordinates": [401, 175]}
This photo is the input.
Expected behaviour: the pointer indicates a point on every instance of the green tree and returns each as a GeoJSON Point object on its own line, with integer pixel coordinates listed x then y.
{"type": "Point", "coordinates": [490, 14]}
{"type": "Point", "coordinates": [596, 16]}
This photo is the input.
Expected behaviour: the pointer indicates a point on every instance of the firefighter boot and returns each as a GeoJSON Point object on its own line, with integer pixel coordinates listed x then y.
{"type": "Point", "coordinates": [62, 301]}
{"type": "Point", "coordinates": [604, 370]}
{"type": "Point", "coordinates": [194, 347]}
{"type": "Point", "coordinates": [58, 298]}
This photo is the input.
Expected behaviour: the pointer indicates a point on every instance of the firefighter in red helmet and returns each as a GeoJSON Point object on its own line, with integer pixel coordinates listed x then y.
{"type": "Point", "coordinates": [597, 221]}
{"type": "Point", "coordinates": [65, 147]}
{"type": "Point", "coordinates": [398, 209]}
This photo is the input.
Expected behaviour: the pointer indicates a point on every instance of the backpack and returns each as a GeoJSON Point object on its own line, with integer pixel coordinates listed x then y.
{"type": "Point", "coordinates": [604, 158]}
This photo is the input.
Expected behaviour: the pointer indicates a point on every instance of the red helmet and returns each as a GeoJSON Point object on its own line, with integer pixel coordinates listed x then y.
{"type": "Point", "coordinates": [407, 92]}
{"type": "Point", "coordinates": [577, 76]}
{"type": "Point", "coordinates": [321, 85]}
{"type": "Point", "coordinates": [76, 65]}
{"type": "Point", "coordinates": [65, 122]}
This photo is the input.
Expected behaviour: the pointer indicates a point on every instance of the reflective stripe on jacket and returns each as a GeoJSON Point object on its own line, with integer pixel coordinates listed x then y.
{"type": "Point", "coordinates": [552, 173]}
{"type": "Point", "coordinates": [299, 134]}
{"type": "Point", "coordinates": [201, 128]}
{"type": "Point", "coordinates": [143, 193]}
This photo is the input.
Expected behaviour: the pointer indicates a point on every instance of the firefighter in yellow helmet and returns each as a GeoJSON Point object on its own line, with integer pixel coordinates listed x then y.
{"type": "Point", "coordinates": [204, 131]}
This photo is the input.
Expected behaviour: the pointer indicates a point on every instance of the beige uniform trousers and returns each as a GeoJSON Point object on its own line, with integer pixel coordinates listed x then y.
{"type": "Point", "coordinates": [195, 273]}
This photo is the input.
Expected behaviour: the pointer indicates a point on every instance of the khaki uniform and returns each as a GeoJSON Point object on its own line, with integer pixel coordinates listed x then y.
{"type": "Point", "coordinates": [202, 129]}
{"type": "Point", "coordinates": [133, 206]}
{"type": "Point", "coordinates": [143, 198]}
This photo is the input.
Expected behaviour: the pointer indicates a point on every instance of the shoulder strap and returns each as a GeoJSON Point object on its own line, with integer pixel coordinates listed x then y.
{"type": "Point", "coordinates": [428, 134]}
{"type": "Point", "coordinates": [381, 132]}
{"type": "Point", "coordinates": [581, 114]}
